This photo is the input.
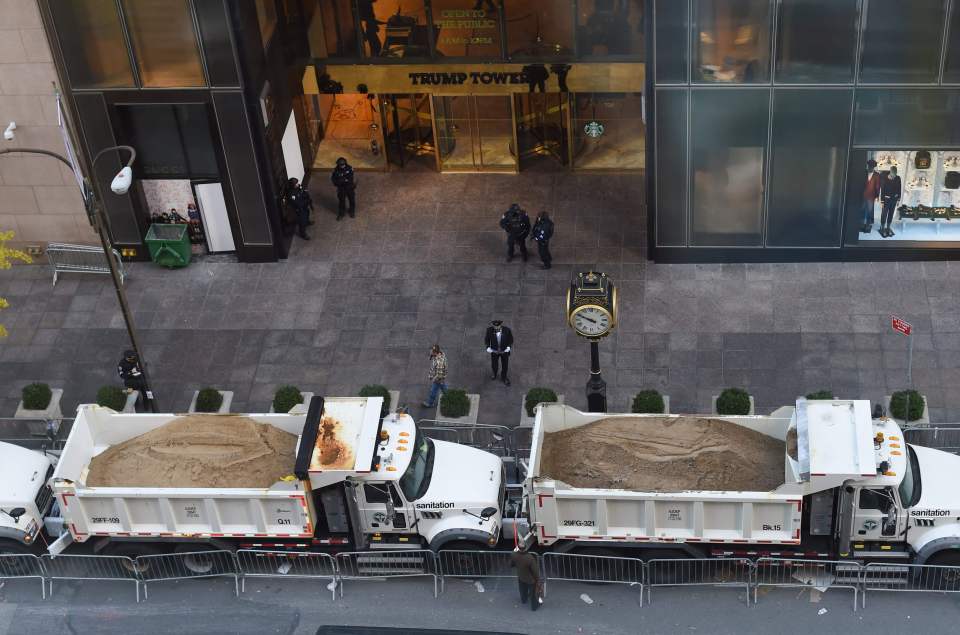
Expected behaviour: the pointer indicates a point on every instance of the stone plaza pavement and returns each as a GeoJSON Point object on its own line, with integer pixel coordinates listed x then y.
{"type": "Point", "coordinates": [424, 262]}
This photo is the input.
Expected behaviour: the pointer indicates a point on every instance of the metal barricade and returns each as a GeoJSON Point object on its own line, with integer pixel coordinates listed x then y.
{"type": "Point", "coordinates": [816, 574]}
{"type": "Point", "coordinates": [717, 572]}
{"type": "Point", "coordinates": [940, 437]}
{"type": "Point", "coordinates": [22, 566]}
{"type": "Point", "coordinates": [65, 258]}
{"type": "Point", "coordinates": [80, 567]}
{"type": "Point", "coordinates": [587, 568]}
{"type": "Point", "coordinates": [917, 578]}
{"type": "Point", "coordinates": [494, 439]}
{"type": "Point", "coordinates": [474, 564]}
{"type": "Point", "coordinates": [252, 563]}
{"type": "Point", "coordinates": [188, 565]}
{"type": "Point", "coordinates": [365, 565]}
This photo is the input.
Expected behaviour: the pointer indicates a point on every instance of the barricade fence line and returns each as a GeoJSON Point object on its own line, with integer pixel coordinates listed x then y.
{"type": "Point", "coordinates": [587, 568]}
{"type": "Point", "coordinates": [911, 578]}
{"type": "Point", "coordinates": [252, 563]}
{"type": "Point", "coordinates": [22, 566]}
{"type": "Point", "coordinates": [408, 563]}
{"type": "Point", "coordinates": [716, 572]}
{"type": "Point", "coordinates": [816, 574]}
{"type": "Point", "coordinates": [188, 565]}
{"type": "Point", "coordinates": [475, 564]}
{"type": "Point", "coordinates": [83, 567]}
{"type": "Point", "coordinates": [66, 258]}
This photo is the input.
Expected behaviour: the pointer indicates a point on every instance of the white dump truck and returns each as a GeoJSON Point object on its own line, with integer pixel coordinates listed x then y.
{"type": "Point", "coordinates": [386, 486]}
{"type": "Point", "coordinates": [851, 488]}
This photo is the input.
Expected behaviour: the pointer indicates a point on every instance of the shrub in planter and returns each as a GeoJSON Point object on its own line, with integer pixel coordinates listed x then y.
{"type": "Point", "coordinates": [112, 397]}
{"type": "Point", "coordinates": [648, 402]}
{"type": "Point", "coordinates": [898, 404]}
{"type": "Point", "coordinates": [821, 394]}
{"type": "Point", "coordinates": [285, 398]}
{"type": "Point", "coordinates": [733, 401]}
{"type": "Point", "coordinates": [376, 390]}
{"type": "Point", "coordinates": [537, 395]}
{"type": "Point", "coordinates": [455, 403]}
{"type": "Point", "coordinates": [36, 396]}
{"type": "Point", "coordinates": [208, 400]}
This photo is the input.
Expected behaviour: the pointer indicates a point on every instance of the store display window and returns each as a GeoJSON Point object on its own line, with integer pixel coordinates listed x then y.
{"type": "Point", "coordinates": [393, 28]}
{"type": "Point", "coordinates": [539, 28]}
{"type": "Point", "coordinates": [467, 28]}
{"type": "Point", "coordinates": [607, 28]}
{"type": "Point", "coordinates": [911, 195]}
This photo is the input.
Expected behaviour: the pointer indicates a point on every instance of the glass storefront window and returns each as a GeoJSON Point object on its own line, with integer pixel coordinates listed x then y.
{"type": "Point", "coordinates": [608, 131]}
{"type": "Point", "coordinates": [728, 140]}
{"type": "Point", "coordinates": [901, 42]}
{"type": "Point", "coordinates": [731, 41]}
{"type": "Point", "coordinates": [467, 28]}
{"type": "Point", "coordinates": [906, 117]}
{"type": "Point", "coordinates": [951, 69]}
{"type": "Point", "coordinates": [91, 38]}
{"type": "Point", "coordinates": [610, 28]}
{"type": "Point", "coordinates": [164, 43]}
{"type": "Point", "coordinates": [816, 41]}
{"type": "Point", "coordinates": [475, 133]}
{"type": "Point", "coordinates": [809, 155]}
{"type": "Point", "coordinates": [539, 28]}
{"type": "Point", "coordinates": [671, 140]}
{"type": "Point", "coordinates": [393, 28]}
{"type": "Point", "coordinates": [671, 41]}
{"type": "Point", "coordinates": [332, 32]}
{"type": "Point", "coordinates": [349, 126]}
{"type": "Point", "coordinates": [172, 140]}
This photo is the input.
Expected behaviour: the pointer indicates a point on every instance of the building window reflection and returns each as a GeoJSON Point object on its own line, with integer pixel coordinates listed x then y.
{"type": "Point", "coordinates": [91, 38]}
{"type": "Point", "coordinates": [539, 28]}
{"type": "Point", "coordinates": [732, 41]}
{"type": "Point", "coordinates": [467, 28]}
{"type": "Point", "coordinates": [164, 43]}
{"type": "Point", "coordinates": [266, 19]}
{"type": "Point", "coordinates": [332, 31]}
{"type": "Point", "coordinates": [610, 28]}
{"type": "Point", "coordinates": [393, 28]}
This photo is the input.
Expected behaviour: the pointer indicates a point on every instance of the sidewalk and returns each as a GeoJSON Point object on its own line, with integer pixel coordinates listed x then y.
{"type": "Point", "coordinates": [424, 262]}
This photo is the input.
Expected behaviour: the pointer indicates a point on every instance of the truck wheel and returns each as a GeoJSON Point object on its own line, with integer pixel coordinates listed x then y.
{"type": "Point", "coordinates": [16, 566]}
{"type": "Point", "coordinates": [197, 561]}
{"type": "Point", "coordinates": [467, 562]}
{"type": "Point", "coordinates": [128, 550]}
{"type": "Point", "coordinates": [944, 559]}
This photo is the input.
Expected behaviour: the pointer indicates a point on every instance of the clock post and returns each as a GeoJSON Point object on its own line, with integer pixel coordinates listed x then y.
{"type": "Point", "coordinates": [592, 313]}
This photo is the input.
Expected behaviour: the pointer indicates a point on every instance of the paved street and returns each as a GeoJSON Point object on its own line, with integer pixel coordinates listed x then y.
{"type": "Point", "coordinates": [424, 262]}
{"type": "Point", "coordinates": [300, 606]}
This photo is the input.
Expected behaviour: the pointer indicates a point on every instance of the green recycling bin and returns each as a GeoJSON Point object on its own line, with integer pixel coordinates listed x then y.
{"type": "Point", "coordinates": [169, 245]}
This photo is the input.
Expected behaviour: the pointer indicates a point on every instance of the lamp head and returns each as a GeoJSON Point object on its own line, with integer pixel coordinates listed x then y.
{"type": "Point", "coordinates": [8, 133]}
{"type": "Point", "coordinates": [122, 181]}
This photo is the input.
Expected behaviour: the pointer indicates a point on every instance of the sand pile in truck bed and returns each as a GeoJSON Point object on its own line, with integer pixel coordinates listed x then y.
{"type": "Point", "coordinates": [661, 454]}
{"type": "Point", "coordinates": [198, 451]}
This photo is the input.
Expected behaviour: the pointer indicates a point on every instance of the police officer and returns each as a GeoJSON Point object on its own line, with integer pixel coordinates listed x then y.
{"type": "Point", "coordinates": [298, 198]}
{"type": "Point", "coordinates": [132, 375]}
{"type": "Point", "coordinates": [517, 225]}
{"type": "Point", "coordinates": [542, 232]}
{"type": "Point", "coordinates": [342, 178]}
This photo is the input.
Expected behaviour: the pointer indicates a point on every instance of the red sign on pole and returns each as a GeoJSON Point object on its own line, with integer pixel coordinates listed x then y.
{"type": "Point", "coordinates": [901, 326]}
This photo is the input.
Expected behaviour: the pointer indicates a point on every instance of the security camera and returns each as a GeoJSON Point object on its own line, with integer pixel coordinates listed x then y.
{"type": "Point", "coordinates": [8, 133]}
{"type": "Point", "coordinates": [121, 182]}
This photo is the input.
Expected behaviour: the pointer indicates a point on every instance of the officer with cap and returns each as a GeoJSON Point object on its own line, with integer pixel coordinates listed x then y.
{"type": "Point", "coordinates": [517, 225]}
{"type": "Point", "coordinates": [499, 341]}
{"type": "Point", "coordinates": [130, 372]}
{"type": "Point", "coordinates": [342, 178]}
{"type": "Point", "coordinates": [542, 233]}
{"type": "Point", "coordinates": [298, 198]}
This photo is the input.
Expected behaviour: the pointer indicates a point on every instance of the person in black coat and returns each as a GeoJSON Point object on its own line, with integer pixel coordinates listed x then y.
{"type": "Point", "coordinates": [298, 198]}
{"type": "Point", "coordinates": [542, 233]}
{"type": "Point", "coordinates": [499, 341]}
{"type": "Point", "coordinates": [131, 374]}
{"type": "Point", "coordinates": [890, 191]}
{"type": "Point", "coordinates": [343, 180]}
{"type": "Point", "coordinates": [517, 225]}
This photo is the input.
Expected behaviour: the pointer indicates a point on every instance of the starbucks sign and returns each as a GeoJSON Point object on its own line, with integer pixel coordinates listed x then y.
{"type": "Point", "coordinates": [593, 129]}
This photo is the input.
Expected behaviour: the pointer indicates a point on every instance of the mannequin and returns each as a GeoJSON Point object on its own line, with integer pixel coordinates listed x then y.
{"type": "Point", "coordinates": [871, 191]}
{"type": "Point", "coordinates": [890, 191]}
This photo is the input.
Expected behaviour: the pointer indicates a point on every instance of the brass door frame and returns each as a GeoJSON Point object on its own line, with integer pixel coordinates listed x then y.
{"type": "Point", "coordinates": [478, 165]}
{"type": "Point", "coordinates": [566, 122]}
{"type": "Point", "coordinates": [383, 99]}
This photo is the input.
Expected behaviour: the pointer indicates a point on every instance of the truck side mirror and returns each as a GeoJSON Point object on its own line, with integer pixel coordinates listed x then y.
{"type": "Point", "coordinates": [16, 513]}
{"type": "Point", "coordinates": [488, 512]}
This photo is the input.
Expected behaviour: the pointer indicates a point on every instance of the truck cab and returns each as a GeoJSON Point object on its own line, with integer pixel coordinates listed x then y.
{"type": "Point", "coordinates": [25, 497]}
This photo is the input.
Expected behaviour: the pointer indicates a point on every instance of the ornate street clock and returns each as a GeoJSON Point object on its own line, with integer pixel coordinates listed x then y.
{"type": "Point", "coordinates": [592, 314]}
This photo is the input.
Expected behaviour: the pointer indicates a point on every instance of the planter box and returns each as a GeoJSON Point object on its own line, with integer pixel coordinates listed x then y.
{"type": "Point", "coordinates": [924, 419]}
{"type": "Point", "coordinates": [224, 407]}
{"type": "Point", "coordinates": [51, 412]}
{"type": "Point", "coordinates": [298, 409]}
{"type": "Point", "coordinates": [526, 421]}
{"type": "Point", "coordinates": [666, 404]}
{"type": "Point", "coordinates": [470, 418]}
{"type": "Point", "coordinates": [713, 408]}
{"type": "Point", "coordinates": [131, 405]}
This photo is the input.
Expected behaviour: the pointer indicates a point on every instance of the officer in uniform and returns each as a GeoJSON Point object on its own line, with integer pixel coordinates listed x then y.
{"type": "Point", "coordinates": [499, 340]}
{"type": "Point", "coordinates": [342, 178]}
{"type": "Point", "coordinates": [542, 232]}
{"type": "Point", "coordinates": [517, 225]}
{"type": "Point", "coordinates": [300, 201]}
{"type": "Point", "coordinates": [132, 375]}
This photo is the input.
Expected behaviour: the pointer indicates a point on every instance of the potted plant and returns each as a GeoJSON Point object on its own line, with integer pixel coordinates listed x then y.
{"type": "Point", "coordinates": [39, 401]}
{"type": "Point", "coordinates": [821, 394]}
{"type": "Point", "coordinates": [650, 402]}
{"type": "Point", "coordinates": [376, 390]}
{"type": "Point", "coordinates": [113, 397]}
{"type": "Point", "coordinates": [733, 401]}
{"type": "Point", "coordinates": [211, 400]}
{"type": "Point", "coordinates": [533, 397]}
{"type": "Point", "coordinates": [897, 406]}
{"type": "Point", "coordinates": [285, 398]}
{"type": "Point", "coordinates": [458, 406]}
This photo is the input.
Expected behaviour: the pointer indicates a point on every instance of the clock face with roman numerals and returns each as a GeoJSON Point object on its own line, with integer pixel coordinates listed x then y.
{"type": "Point", "coordinates": [591, 321]}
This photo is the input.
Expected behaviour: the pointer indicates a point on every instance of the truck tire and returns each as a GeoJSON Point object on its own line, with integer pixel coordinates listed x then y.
{"type": "Point", "coordinates": [196, 561]}
{"type": "Point", "coordinates": [946, 558]}
{"type": "Point", "coordinates": [15, 566]}
{"type": "Point", "coordinates": [132, 551]}
{"type": "Point", "coordinates": [465, 564]}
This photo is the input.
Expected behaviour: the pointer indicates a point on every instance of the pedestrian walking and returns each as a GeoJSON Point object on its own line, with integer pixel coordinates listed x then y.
{"type": "Point", "coordinates": [131, 374]}
{"type": "Point", "coordinates": [517, 225]}
{"type": "Point", "coordinates": [528, 576]}
{"type": "Point", "coordinates": [499, 341]}
{"type": "Point", "coordinates": [542, 233]}
{"type": "Point", "coordinates": [343, 180]}
{"type": "Point", "coordinates": [299, 200]}
{"type": "Point", "coordinates": [437, 376]}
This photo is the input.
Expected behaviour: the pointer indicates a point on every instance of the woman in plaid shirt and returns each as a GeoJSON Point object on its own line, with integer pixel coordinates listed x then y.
{"type": "Point", "coordinates": [437, 376]}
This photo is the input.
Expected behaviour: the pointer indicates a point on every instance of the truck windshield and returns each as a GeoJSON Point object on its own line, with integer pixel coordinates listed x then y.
{"type": "Point", "coordinates": [910, 485]}
{"type": "Point", "coordinates": [416, 479]}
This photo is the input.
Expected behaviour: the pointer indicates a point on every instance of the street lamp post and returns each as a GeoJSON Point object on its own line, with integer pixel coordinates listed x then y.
{"type": "Point", "coordinates": [120, 185]}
